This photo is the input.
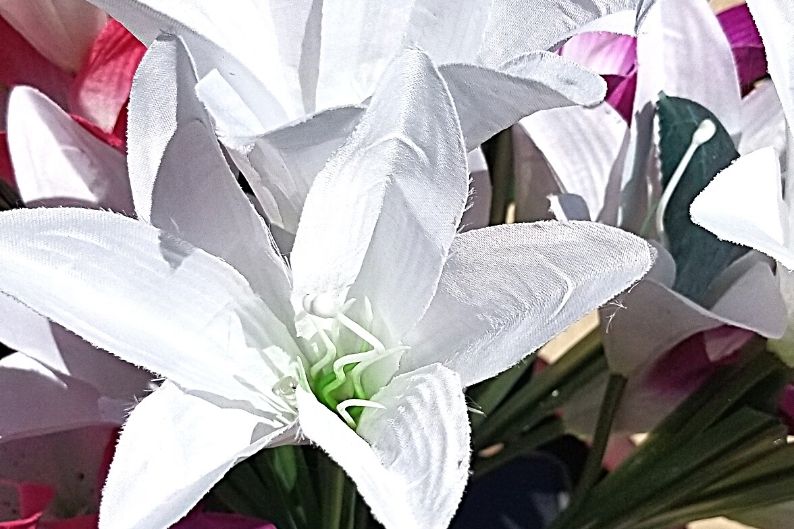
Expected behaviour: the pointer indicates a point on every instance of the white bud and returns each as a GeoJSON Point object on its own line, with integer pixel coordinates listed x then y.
{"type": "Point", "coordinates": [323, 305]}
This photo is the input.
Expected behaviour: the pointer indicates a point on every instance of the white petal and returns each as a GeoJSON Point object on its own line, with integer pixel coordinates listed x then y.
{"type": "Point", "coordinates": [491, 100]}
{"type": "Point", "coordinates": [535, 180]}
{"type": "Point", "coordinates": [173, 449]}
{"type": "Point", "coordinates": [411, 461]}
{"type": "Point", "coordinates": [744, 205]}
{"type": "Point", "coordinates": [775, 21]}
{"type": "Point", "coordinates": [478, 208]}
{"type": "Point", "coordinates": [36, 400]}
{"type": "Point", "coordinates": [387, 204]}
{"type": "Point", "coordinates": [515, 27]}
{"type": "Point", "coordinates": [144, 295]}
{"type": "Point", "coordinates": [65, 353]}
{"type": "Point", "coordinates": [57, 162]}
{"type": "Point", "coordinates": [763, 121]}
{"type": "Point", "coordinates": [182, 183]}
{"type": "Point", "coordinates": [650, 319]}
{"type": "Point", "coordinates": [61, 30]}
{"type": "Point", "coordinates": [254, 45]}
{"type": "Point", "coordinates": [507, 290]}
{"type": "Point", "coordinates": [598, 135]}
{"type": "Point", "coordinates": [682, 50]}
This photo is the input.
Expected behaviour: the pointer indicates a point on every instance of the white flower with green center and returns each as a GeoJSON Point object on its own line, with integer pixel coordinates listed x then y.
{"type": "Point", "coordinates": [363, 345]}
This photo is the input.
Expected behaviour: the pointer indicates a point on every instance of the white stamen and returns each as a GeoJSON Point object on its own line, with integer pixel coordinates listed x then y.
{"type": "Point", "coordinates": [342, 407]}
{"type": "Point", "coordinates": [323, 305]}
{"type": "Point", "coordinates": [704, 133]}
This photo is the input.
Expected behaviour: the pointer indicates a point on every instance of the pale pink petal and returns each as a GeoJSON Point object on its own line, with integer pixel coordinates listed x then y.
{"type": "Point", "coordinates": [61, 30]}
{"type": "Point", "coordinates": [102, 85]}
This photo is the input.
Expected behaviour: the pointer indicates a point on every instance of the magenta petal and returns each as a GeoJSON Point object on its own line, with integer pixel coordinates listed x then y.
{"type": "Point", "coordinates": [746, 44]}
{"type": "Point", "coordinates": [102, 87]}
{"type": "Point", "coordinates": [21, 64]}
{"type": "Point", "coordinates": [207, 520]}
{"type": "Point", "coordinates": [602, 52]}
{"type": "Point", "coordinates": [620, 93]}
{"type": "Point", "coordinates": [6, 169]}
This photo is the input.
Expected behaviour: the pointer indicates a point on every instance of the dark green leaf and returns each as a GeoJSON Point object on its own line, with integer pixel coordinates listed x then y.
{"type": "Point", "coordinates": [699, 255]}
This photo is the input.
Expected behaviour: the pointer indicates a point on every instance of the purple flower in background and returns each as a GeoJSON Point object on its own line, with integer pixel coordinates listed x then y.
{"type": "Point", "coordinates": [614, 56]}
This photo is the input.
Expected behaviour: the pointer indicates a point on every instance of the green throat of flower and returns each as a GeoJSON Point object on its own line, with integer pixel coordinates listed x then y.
{"type": "Point", "coordinates": [341, 354]}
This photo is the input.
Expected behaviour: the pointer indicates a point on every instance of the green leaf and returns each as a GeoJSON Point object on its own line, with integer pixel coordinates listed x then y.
{"type": "Point", "coordinates": [699, 255]}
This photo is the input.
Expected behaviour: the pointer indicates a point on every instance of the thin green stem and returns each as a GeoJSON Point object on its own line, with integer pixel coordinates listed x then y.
{"type": "Point", "coordinates": [335, 498]}
{"type": "Point", "coordinates": [616, 386]}
{"type": "Point", "coordinates": [528, 443]}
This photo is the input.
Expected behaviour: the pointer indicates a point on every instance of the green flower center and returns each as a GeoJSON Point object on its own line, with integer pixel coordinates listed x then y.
{"type": "Point", "coordinates": [341, 353]}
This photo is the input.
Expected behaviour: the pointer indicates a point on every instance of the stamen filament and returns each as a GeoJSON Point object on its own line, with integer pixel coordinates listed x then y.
{"type": "Point", "coordinates": [704, 132]}
{"type": "Point", "coordinates": [342, 407]}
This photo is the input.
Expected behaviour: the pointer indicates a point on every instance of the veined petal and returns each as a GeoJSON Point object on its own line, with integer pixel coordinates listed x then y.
{"type": "Point", "coordinates": [174, 447]}
{"type": "Point", "coordinates": [410, 461]}
{"type": "Point", "coordinates": [598, 134]}
{"type": "Point", "coordinates": [602, 52]}
{"type": "Point", "coordinates": [57, 162]}
{"type": "Point", "coordinates": [515, 27]}
{"type": "Point", "coordinates": [36, 400]}
{"type": "Point", "coordinates": [254, 45]}
{"type": "Point", "coordinates": [507, 290]}
{"type": "Point", "coordinates": [61, 30]}
{"type": "Point", "coordinates": [386, 206]}
{"type": "Point", "coordinates": [763, 120]}
{"type": "Point", "coordinates": [146, 296]}
{"type": "Point", "coordinates": [180, 178]}
{"type": "Point", "coordinates": [102, 86]}
{"type": "Point", "coordinates": [744, 205]}
{"type": "Point", "coordinates": [490, 100]}
{"type": "Point", "coordinates": [63, 352]}
{"type": "Point", "coordinates": [682, 50]}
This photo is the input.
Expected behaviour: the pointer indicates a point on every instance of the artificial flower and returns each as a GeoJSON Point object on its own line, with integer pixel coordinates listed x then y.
{"type": "Point", "coordinates": [286, 85]}
{"type": "Point", "coordinates": [59, 163]}
{"type": "Point", "coordinates": [363, 345]}
{"type": "Point", "coordinates": [649, 329]}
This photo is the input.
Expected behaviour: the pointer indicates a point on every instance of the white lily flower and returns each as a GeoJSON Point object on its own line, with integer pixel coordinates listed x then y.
{"type": "Point", "coordinates": [674, 40]}
{"type": "Point", "coordinates": [59, 163]}
{"type": "Point", "coordinates": [746, 203]}
{"type": "Point", "coordinates": [363, 346]}
{"type": "Point", "coordinates": [285, 82]}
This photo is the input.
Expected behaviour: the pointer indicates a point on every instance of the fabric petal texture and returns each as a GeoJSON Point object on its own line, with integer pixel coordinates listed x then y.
{"type": "Point", "coordinates": [144, 295]}
{"type": "Point", "coordinates": [57, 162]}
{"type": "Point", "coordinates": [388, 203]}
{"type": "Point", "coordinates": [180, 177]}
{"type": "Point", "coordinates": [409, 460]}
{"type": "Point", "coordinates": [173, 448]}
{"type": "Point", "coordinates": [507, 290]}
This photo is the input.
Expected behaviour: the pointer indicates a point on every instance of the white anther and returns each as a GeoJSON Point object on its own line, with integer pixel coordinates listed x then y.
{"type": "Point", "coordinates": [324, 305]}
{"type": "Point", "coordinates": [704, 132]}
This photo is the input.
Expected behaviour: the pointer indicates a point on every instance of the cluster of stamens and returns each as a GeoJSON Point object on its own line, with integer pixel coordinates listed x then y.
{"type": "Point", "coordinates": [336, 376]}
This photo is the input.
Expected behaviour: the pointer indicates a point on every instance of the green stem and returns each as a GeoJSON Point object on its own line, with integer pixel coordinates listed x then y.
{"type": "Point", "coordinates": [542, 386]}
{"type": "Point", "coordinates": [501, 169]}
{"type": "Point", "coordinates": [335, 498]}
{"type": "Point", "coordinates": [616, 386]}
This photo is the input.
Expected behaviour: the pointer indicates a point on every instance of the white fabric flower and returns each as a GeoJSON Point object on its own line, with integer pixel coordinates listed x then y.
{"type": "Point", "coordinates": [363, 345]}
{"type": "Point", "coordinates": [285, 82]}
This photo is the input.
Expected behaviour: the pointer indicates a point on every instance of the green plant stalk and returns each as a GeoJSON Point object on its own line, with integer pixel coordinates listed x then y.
{"type": "Point", "coordinates": [502, 175]}
{"type": "Point", "coordinates": [543, 385]}
{"type": "Point", "coordinates": [530, 416]}
{"type": "Point", "coordinates": [489, 395]}
{"type": "Point", "coordinates": [334, 495]}
{"type": "Point", "coordinates": [616, 386]}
